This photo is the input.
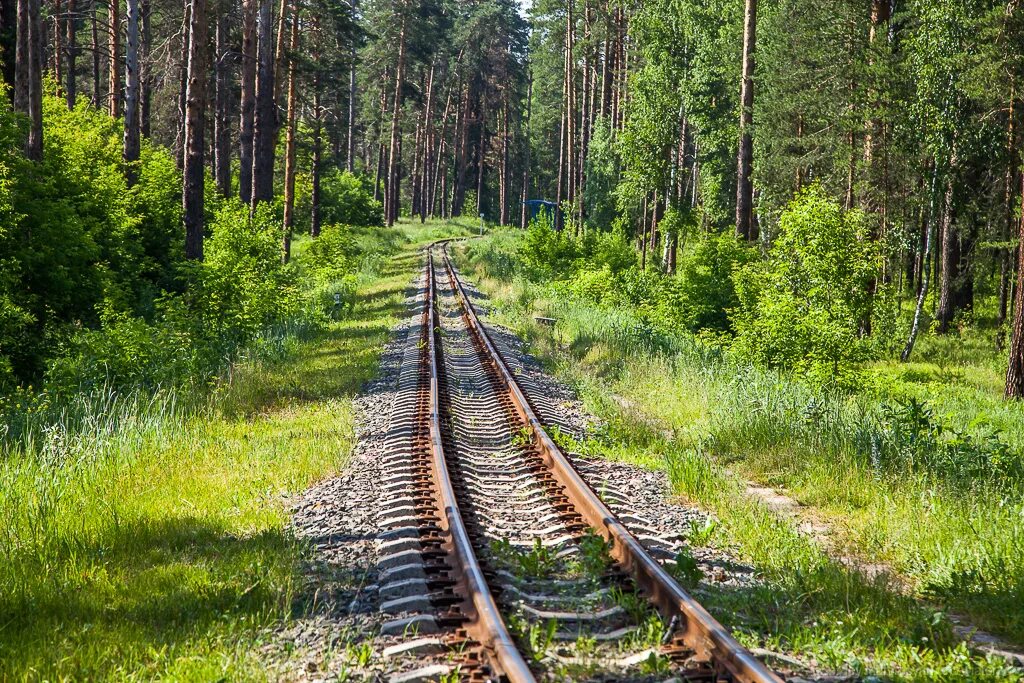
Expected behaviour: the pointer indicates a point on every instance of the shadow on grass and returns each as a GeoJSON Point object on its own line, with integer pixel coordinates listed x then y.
{"type": "Point", "coordinates": [139, 596]}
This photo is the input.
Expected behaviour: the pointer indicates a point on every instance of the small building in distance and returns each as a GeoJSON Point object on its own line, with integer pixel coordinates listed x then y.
{"type": "Point", "coordinates": [550, 209]}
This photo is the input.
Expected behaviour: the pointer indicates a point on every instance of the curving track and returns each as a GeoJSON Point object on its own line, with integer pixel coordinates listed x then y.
{"type": "Point", "coordinates": [496, 550]}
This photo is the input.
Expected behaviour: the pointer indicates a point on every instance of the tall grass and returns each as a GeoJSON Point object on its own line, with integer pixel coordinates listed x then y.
{"type": "Point", "coordinates": [144, 534]}
{"type": "Point", "coordinates": [927, 492]}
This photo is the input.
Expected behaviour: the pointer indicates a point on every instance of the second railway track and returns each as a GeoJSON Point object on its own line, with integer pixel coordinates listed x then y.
{"type": "Point", "coordinates": [497, 553]}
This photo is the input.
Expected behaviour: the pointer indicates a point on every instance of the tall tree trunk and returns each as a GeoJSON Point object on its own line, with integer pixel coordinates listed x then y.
{"type": "Point", "coordinates": [880, 14]}
{"type": "Point", "coordinates": [950, 258]}
{"type": "Point", "coordinates": [179, 142]}
{"type": "Point", "coordinates": [22, 58]}
{"type": "Point", "coordinates": [28, 88]}
{"type": "Point", "coordinates": [745, 161]}
{"type": "Point", "coordinates": [247, 105]}
{"type": "Point", "coordinates": [1015, 369]}
{"type": "Point", "coordinates": [131, 101]}
{"type": "Point", "coordinates": [481, 157]}
{"type": "Point", "coordinates": [922, 295]}
{"type": "Point", "coordinates": [504, 180]}
{"type": "Point", "coordinates": [1005, 259]}
{"type": "Point", "coordinates": [314, 212]}
{"type": "Point", "coordinates": [146, 67]}
{"type": "Point", "coordinates": [462, 156]}
{"type": "Point", "coordinates": [289, 154]}
{"type": "Point", "coordinates": [96, 94]}
{"type": "Point", "coordinates": [392, 190]}
{"type": "Point", "coordinates": [524, 216]}
{"type": "Point", "coordinates": [195, 122]}
{"type": "Point", "coordinates": [221, 121]}
{"type": "Point", "coordinates": [57, 52]}
{"type": "Point", "coordinates": [114, 45]}
{"type": "Point", "coordinates": [350, 162]}
{"type": "Point", "coordinates": [70, 55]}
{"type": "Point", "coordinates": [265, 121]}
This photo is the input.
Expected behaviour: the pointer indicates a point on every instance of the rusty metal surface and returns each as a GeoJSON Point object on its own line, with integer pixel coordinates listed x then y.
{"type": "Point", "coordinates": [698, 629]}
{"type": "Point", "coordinates": [484, 621]}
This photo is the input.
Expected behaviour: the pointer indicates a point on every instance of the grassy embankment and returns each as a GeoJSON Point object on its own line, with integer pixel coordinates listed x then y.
{"type": "Point", "coordinates": [714, 423]}
{"type": "Point", "coordinates": [151, 541]}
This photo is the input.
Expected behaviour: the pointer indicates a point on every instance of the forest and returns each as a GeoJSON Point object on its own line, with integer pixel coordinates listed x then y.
{"type": "Point", "coordinates": [772, 244]}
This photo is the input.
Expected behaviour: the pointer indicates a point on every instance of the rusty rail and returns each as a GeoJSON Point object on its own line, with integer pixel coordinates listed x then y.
{"type": "Point", "coordinates": [698, 629]}
{"type": "Point", "coordinates": [485, 623]}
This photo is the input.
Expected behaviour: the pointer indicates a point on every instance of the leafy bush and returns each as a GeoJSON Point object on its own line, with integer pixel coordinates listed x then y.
{"type": "Point", "coordinates": [332, 255]}
{"type": "Point", "coordinates": [235, 295]}
{"type": "Point", "coordinates": [244, 287]}
{"type": "Point", "coordinates": [703, 293]}
{"type": "Point", "coordinates": [803, 307]}
{"type": "Point", "coordinates": [546, 252]}
{"type": "Point", "coordinates": [347, 199]}
{"type": "Point", "coordinates": [75, 241]}
{"type": "Point", "coordinates": [911, 439]}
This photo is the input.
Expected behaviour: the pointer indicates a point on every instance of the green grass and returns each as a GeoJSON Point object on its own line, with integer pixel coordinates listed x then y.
{"type": "Point", "coordinates": [151, 542]}
{"type": "Point", "coordinates": [671, 403]}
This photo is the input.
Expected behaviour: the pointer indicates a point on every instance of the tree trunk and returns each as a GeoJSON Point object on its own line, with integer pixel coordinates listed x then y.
{"type": "Point", "coordinates": [481, 158]}
{"type": "Point", "coordinates": [195, 121]}
{"type": "Point", "coordinates": [132, 142]}
{"type": "Point", "coordinates": [57, 52]}
{"type": "Point", "coordinates": [28, 86]}
{"type": "Point", "coordinates": [114, 45]}
{"type": "Point", "coordinates": [1015, 369]}
{"type": "Point", "coordinates": [525, 215]}
{"type": "Point", "coordinates": [950, 259]}
{"type": "Point", "coordinates": [744, 184]}
{"type": "Point", "coordinates": [504, 180]}
{"type": "Point", "coordinates": [179, 142]}
{"type": "Point", "coordinates": [70, 55]}
{"type": "Point", "coordinates": [392, 190]}
{"type": "Point", "coordinates": [221, 121]}
{"type": "Point", "coordinates": [247, 78]}
{"type": "Point", "coordinates": [96, 94]}
{"type": "Point", "coordinates": [1005, 262]}
{"type": "Point", "coordinates": [289, 154]}
{"type": "Point", "coordinates": [880, 13]}
{"type": "Point", "coordinates": [314, 212]}
{"type": "Point", "coordinates": [146, 68]}
{"type": "Point", "coordinates": [350, 163]}
{"type": "Point", "coordinates": [922, 295]}
{"type": "Point", "coordinates": [264, 127]}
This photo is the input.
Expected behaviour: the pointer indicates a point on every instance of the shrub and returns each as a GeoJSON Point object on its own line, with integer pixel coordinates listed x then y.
{"type": "Point", "coordinates": [244, 287]}
{"type": "Point", "coordinates": [347, 199]}
{"type": "Point", "coordinates": [704, 291]}
{"type": "Point", "coordinates": [803, 307]}
{"type": "Point", "coordinates": [332, 255]}
{"type": "Point", "coordinates": [911, 438]}
{"type": "Point", "coordinates": [548, 253]}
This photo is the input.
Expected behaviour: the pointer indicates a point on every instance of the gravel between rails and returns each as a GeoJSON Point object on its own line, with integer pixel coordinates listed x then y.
{"type": "Point", "coordinates": [335, 632]}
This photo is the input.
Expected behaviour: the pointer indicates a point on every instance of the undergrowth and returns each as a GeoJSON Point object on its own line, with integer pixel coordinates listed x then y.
{"type": "Point", "coordinates": [923, 475]}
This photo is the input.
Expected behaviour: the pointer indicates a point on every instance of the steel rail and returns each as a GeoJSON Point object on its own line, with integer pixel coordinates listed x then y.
{"type": "Point", "coordinates": [699, 630]}
{"type": "Point", "coordinates": [485, 623]}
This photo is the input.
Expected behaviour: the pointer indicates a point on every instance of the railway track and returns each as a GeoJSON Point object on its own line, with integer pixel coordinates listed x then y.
{"type": "Point", "coordinates": [498, 561]}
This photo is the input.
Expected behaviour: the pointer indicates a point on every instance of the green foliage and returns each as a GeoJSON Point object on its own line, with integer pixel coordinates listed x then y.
{"type": "Point", "coordinates": [602, 175]}
{"type": "Point", "coordinates": [331, 255]}
{"type": "Point", "coordinates": [548, 253]}
{"type": "Point", "coordinates": [912, 439]}
{"type": "Point", "coordinates": [803, 307]}
{"type": "Point", "coordinates": [347, 199]}
{"type": "Point", "coordinates": [76, 243]}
